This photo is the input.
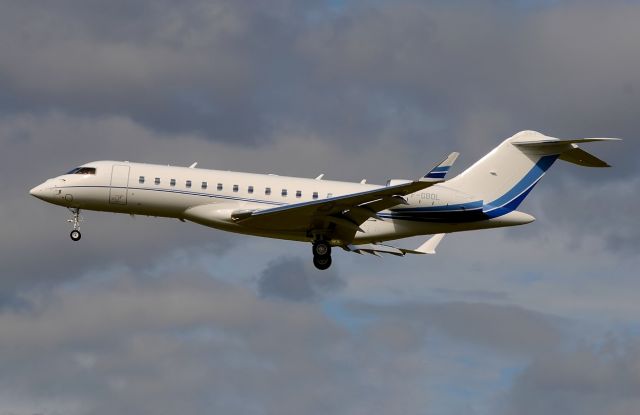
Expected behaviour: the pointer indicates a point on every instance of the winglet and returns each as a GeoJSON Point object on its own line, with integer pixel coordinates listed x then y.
{"type": "Point", "coordinates": [441, 169]}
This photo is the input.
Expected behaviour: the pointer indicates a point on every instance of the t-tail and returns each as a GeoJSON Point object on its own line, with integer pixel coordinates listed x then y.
{"type": "Point", "coordinates": [504, 177]}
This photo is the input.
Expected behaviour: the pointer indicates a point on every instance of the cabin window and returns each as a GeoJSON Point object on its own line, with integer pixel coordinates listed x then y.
{"type": "Point", "coordinates": [267, 191]}
{"type": "Point", "coordinates": [157, 181]}
{"type": "Point", "coordinates": [250, 189]}
{"type": "Point", "coordinates": [329, 195]}
{"type": "Point", "coordinates": [298, 193]}
{"type": "Point", "coordinates": [315, 195]}
{"type": "Point", "coordinates": [219, 186]}
{"type": "Point", "coordinates": [141, 179]}
{"type": "Point", "coordinates": [284, 193]}
{"type": "Point", "coordinates": [204, 185]}
{"type": "Point", "coordinates": [188, 183]}
{"type": "Point", "coordinates": [172, 182]}
{"type": "Point", "coordinates": [235, 187]}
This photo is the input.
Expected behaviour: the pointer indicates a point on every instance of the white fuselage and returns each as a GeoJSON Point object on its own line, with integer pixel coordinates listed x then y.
{"type": "Point", "coordinates": [169, 191]}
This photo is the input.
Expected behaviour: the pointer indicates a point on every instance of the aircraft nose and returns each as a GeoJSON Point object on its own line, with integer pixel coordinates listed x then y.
{"type": "Point", "coordinates": [38, 191]}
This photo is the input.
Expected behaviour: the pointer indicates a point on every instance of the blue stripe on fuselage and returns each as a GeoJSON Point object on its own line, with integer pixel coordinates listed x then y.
{"type": "Point", "coordinates": [473, 211]}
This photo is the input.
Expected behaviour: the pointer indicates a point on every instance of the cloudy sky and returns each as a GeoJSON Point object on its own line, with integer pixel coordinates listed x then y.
{"type": "Point", "coordinates": [154, 316]}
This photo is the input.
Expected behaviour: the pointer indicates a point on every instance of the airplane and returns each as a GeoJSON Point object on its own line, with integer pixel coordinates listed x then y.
{"type": "Point", "coordinates": [357, 217]}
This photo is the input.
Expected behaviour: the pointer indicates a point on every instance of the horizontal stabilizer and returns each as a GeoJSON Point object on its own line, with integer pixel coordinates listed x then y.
{"type": "Point", "coordinates": [582, 158]}
{"type": "Point", "coordinates": [536, 143]}
{"type": "Point", "coordinates": [567, 150]}
{"type": "Point", "coordinates": [441, 169]}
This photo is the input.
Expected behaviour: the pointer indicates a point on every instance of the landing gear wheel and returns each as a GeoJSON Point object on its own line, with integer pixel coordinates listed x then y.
{"type": "Point", "coordinates": [322, 262]}
{"type": "Point", "coordinates": [75, 235]}
{"type": "Point", "coordinates": [75, 220]}
{"type": "Point", "coordinates": [321, 248]}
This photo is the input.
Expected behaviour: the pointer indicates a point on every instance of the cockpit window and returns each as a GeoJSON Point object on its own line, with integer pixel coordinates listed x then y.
{"type": "Point", "coordinates": [83, 170]}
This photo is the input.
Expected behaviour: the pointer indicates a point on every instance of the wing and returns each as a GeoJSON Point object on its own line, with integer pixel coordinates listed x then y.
{"type": "Point", "coordinates": [363, 205]}
{"type": "Point", "coordinates": [339, 216]}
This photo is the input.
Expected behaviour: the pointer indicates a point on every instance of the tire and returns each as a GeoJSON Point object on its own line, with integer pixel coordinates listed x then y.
{"type": "Point", "coordinates": [322, 262]}
{"type": "Point", "coordinates": [321, 248]}
{"type": "Point", "coordinates": [75, 235]}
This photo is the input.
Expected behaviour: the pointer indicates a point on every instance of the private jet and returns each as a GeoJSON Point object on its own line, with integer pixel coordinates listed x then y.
{"type": "Point", "coordinates": [357, 217]}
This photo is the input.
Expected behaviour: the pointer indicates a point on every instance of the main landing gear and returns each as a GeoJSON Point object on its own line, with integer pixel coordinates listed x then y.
{"type": "Point", "coordinates": [321, 255]}
{"type": "Point", "coordinates": [75, 219]}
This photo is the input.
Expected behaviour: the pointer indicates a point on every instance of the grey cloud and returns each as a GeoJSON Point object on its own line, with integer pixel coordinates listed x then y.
{"type": "Point", "coordinates": [415, 99]}
{"type": "Point", "coordinates": [508, 328]}
{"type": "Point", "coordinates": [605, 211]}
{"type": "Point", "coordinates": [361, 72]}
{"type": "Point", "coordinates": [472, 295]}
{"type": "Point", "coordinates": [196, 66]}
{"type": "Point", "coordinates": [485, 71]}
{"type": "Point", "coordinates": [294, 279]}
{"type": "Point", "coordinates": [349, 89]}
{"type": "Point", "coordinates": [589, 380]}
{"type": "Point", "coordinates": [34, 245]}
{"type": "Point", "coordinates": [180, 341]}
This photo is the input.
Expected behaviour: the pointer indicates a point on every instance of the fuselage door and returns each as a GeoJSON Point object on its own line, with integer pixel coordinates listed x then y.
{"type": "Point", "coordinates": [119, 184]}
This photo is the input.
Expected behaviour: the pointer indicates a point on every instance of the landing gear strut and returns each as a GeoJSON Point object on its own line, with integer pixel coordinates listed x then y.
{"type": "Point", "coordinates": [75, 219]}
{"type": "Point", "coordinates": [321, 255]}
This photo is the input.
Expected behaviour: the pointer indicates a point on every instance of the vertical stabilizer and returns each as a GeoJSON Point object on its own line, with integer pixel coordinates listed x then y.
{"type": "Point", "coordinates": [505, 176]}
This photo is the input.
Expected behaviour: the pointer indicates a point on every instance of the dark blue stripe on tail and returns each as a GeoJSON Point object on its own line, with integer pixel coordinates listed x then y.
{"type": "Point", "coordinates": [512, 199]}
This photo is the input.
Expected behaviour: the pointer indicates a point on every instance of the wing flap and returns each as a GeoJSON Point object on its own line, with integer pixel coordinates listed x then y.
{"type": "Point", "coordinates": [375, 249]}
{"type": "Point", "coordinates": [429, 247]}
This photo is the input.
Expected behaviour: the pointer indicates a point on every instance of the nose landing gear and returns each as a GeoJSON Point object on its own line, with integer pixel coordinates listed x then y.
{"type": "Point", "coordinates": [75, 219]}
{"type": "Point", "coordinates": [321, 255]}
{"type": "Point", "coordinates": [75, 235]}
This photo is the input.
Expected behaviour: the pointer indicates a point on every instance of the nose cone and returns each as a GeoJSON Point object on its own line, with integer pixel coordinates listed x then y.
{"type": "Point", "coordinates": [39, 191]}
